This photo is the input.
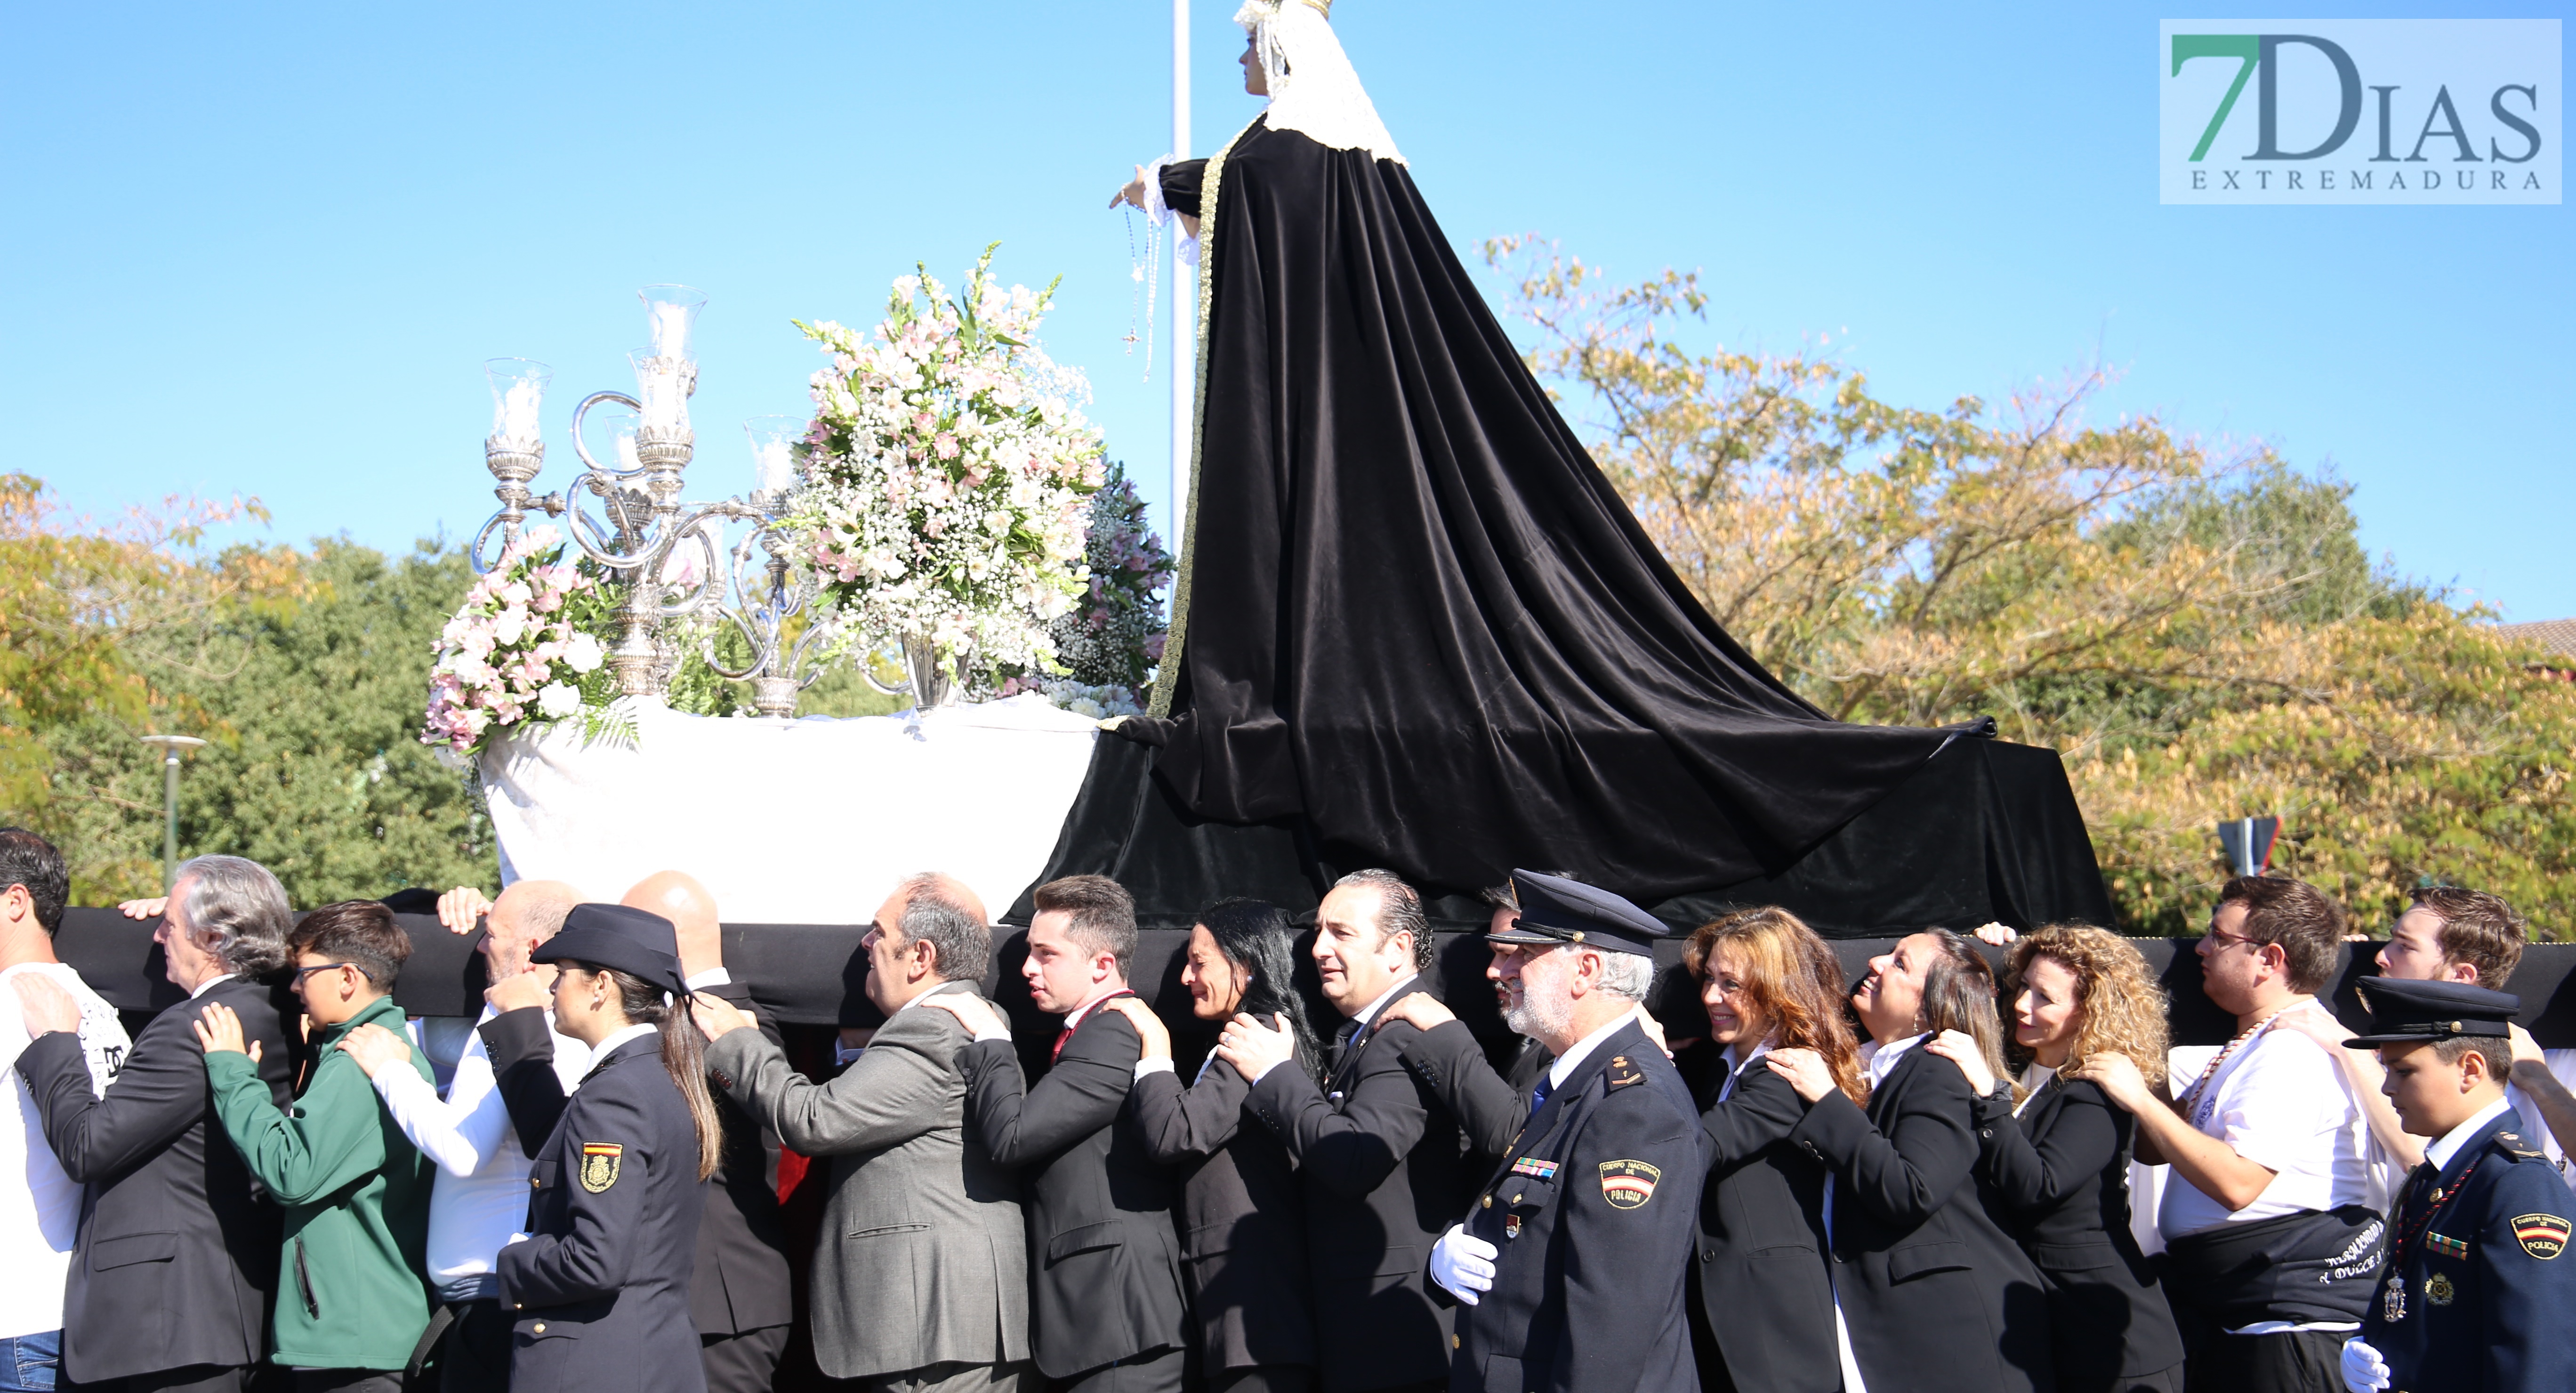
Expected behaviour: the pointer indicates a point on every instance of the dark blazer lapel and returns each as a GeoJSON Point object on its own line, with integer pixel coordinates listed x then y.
{"type": "Point", "coordinates": [1349, 1067]}
{"type": "Point", "coordinates": [641, 1044]}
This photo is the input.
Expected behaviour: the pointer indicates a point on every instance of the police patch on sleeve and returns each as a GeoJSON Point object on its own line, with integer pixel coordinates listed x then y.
{"type": "Point", "coordinates": [1628, 1184]}
{"type": "Point", "coordinates": [599, 1162]}
{"type": "Point", "coordinates": [2544, 1236]}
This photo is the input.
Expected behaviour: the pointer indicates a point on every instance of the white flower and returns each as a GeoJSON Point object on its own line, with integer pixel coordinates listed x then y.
{"type": "Point", "coordinates": [559, 699]}
{"type": "Point", "coordinates": [584, 654]}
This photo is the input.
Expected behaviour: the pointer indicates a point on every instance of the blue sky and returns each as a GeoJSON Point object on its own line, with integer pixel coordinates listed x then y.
{"type": "Point", "coordinates": [266, 249]}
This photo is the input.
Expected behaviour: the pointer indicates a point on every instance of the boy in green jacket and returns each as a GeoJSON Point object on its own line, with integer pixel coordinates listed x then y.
{"type": "Point", "coordinates": [351, 1298]}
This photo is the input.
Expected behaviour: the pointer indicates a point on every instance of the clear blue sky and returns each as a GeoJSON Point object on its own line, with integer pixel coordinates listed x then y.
{"type": "Point", "coordinates": [265, 249]}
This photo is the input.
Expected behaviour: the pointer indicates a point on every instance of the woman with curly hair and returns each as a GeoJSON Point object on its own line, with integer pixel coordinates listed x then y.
{"type": "Point", "coordinates": [1760, 1269]}
{"type": "Point", "coordinates": [2057, 1169]}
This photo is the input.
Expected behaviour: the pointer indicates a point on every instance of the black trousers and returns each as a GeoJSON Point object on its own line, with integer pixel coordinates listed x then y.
{"type": "Point", "coordinates": [196, 1378]}
{"type": "Point", "coordinates": [1263, 1378]}
{"type": "Point", "coordinates": [347, 1381]}
{"type": "Point", "coordinates": [474, 1355]}
{"type": "Point", "coordinates": [1155, 1371]}
{"type": "Point", "coordinates": [2296, 1361]}
{"type": "Point", "coordinates": [744, 1363]}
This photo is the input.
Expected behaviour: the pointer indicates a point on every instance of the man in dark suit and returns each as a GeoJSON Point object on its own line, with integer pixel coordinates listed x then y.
{"type": "Point", "coordinates": [1380, 1158]}
{"type": "Point", "coordinates": [1575, 1274]}
{"type": "Point", "coordinates": [170, 1280]}
{"type": "Point", "coordinates": [1104, 1262]}
{"type": "Point", "coordinates": [738, 1291]}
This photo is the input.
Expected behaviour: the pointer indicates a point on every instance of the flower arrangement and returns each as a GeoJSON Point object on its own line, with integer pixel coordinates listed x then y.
{"type": "Point", "coordinates": [1115, 635]}
{"type": "Point", "coordinates": [945, 476]}
{"type": "Point", "coordinates": [522, 650]}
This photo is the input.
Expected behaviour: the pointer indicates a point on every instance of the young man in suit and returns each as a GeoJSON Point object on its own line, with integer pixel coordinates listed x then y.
{"type": "Point", "coordinates": [1381, 1159]}
{"type": "Point", "coordinates": [914, 1191]}
{"type": "Point", "coordinates": [1104, 1260]}
{"type": "Point", "coordinates": [170, 1280]}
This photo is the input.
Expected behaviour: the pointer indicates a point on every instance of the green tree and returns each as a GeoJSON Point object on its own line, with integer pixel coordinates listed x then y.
{"type": "Point", "coordinates": [316, 770]}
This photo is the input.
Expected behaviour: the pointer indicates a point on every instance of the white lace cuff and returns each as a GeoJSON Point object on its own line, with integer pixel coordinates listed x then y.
{"type": "Point", "coordinates": [1155, 207]}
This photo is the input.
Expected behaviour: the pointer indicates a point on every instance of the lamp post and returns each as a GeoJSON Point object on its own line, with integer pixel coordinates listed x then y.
{"type": "Point", "coordinates": [171, 746]}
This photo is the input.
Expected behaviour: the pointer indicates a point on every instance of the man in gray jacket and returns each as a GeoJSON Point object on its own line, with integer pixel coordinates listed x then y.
{"type": "Point", "coordinates": [918, 1208]}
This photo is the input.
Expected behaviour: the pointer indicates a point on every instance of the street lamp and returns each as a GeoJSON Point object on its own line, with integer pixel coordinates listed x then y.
{"type": "Point", "coordinates": [171, 745]}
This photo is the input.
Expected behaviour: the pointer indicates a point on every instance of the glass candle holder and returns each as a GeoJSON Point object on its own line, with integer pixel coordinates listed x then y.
{"type": "Point", "coordinates": [773, 452]}
{"type": "Point", "coordinates": [662, 383]}
{"type": "Point", "coordinates": [671, 316]}
{"type": "Point", "coordinates": [518, 391]}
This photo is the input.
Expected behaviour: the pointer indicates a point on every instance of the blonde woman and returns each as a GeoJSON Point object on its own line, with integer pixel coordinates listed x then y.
{"type": "Point", "coordinates": [2057, 1171]}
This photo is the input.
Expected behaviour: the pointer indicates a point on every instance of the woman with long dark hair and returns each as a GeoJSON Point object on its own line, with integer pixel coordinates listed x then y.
{"type": "Point", "coordinates": [1760, 1273]}
{"type": "Point", "coordinates": [601, 1286]}
{"type": "Point", "coordinates": [1243, 1247]}
{"type": "Point", "coordinates": [1930, 1296]}
{"type": "Point", "coordinates": [2056, 1167]}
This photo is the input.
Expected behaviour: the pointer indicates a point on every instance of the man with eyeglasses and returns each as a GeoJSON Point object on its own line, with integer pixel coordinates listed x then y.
{"type": "Point", "coordinates": [352, 1299]}
{"type": "Point", "coordinates": [2271, 1245]}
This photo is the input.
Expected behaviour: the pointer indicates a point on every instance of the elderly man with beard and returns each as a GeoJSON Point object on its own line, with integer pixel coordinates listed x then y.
{"type": "Point", "coordinates": [1574, 1272]}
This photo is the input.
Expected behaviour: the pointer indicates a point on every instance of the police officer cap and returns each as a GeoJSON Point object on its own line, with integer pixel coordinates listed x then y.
{"type": "Point", "coordinates": [2403, 1011]}
{"type": "Point", "coordinates": [1556, 911]}
{"type": "Point", "coordinates": [614, 935]}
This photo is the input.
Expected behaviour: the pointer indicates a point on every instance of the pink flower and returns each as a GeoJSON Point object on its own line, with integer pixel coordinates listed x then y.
{"type": "Point", "coordinates": [945, 446]}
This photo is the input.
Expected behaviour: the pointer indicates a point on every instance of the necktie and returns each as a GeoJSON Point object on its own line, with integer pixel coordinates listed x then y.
{"type": "Point", "coordinates": [1342, 1042]}
{"type": "Point", "coordinates": [1060, 1037]}
{"type": "Point", "coordinates": [1538, 1094]}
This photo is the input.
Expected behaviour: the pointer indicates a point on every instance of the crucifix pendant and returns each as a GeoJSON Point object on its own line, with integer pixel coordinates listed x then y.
{"type": "Point", "coordinates": [2392, 1304]}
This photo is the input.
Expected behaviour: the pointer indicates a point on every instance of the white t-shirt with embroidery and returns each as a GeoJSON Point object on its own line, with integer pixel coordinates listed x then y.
{"type": "Point", "coordinates": [39, 1204]}
{"type": "Point", "coordinates": [2282, 1103]}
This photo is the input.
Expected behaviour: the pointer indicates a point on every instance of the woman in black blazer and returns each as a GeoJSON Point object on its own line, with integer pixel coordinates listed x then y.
{"type": "Point", "coordinates": [2057, 1176]}
{"type": "Point", "coordinates": [1243, 1244]}
{"type": "Point", "coordinates": [1761, 1300]}
{"type": "Point", "coordinates": [1934, 1297]}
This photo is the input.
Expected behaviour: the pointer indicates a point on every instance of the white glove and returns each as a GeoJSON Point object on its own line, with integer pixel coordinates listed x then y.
{"type": "Point", "coordinates": [1463, 1264]}
{"type": "Point", "coordinates": [2363, 1370]}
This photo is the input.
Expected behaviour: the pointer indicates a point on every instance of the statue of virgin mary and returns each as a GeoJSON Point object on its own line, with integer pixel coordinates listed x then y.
{"type": "Point", "coordinates": [1413, 620]}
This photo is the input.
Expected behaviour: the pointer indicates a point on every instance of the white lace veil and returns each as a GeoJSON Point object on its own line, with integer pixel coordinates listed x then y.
{"type": "Point", "coordinates": [1313, 90]}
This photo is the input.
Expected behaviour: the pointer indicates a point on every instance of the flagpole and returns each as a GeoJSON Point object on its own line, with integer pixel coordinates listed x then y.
{"type": "Point", "coordinates": [1184, 304]}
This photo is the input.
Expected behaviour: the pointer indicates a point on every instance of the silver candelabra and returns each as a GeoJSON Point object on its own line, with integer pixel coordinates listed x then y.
{"type": "Point", "coordinates": [648, 525]}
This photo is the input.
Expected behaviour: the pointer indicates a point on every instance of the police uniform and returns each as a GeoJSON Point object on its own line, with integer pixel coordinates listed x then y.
{"type": "Point", "coordinates": [1591, 1207]}
{"type": "Point", "coordinates": [2479, 1288]}
{"type": "Point", "coordinates": [599, 1292]}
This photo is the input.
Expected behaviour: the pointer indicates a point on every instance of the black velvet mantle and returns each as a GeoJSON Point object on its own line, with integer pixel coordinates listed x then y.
{"type": "Point", "coordinates": [1415, 620]}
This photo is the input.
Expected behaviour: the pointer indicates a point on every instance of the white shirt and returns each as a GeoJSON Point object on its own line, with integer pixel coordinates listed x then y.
{"type": "Point", "coordinates": [209, 984]}
{"type": "Point", "coordinates": [1735, 1070]}
{"type": "Point", "coordinates": [2535, 1128]}
{"type": "Point", "coordinates": [618, 1037]}
{"type": "Point", "coordinates": [1565, 1064]}
{"type": "Point", "coordinates": [2281, 1102]}
{"type": "Point", "coordinates": [480, 1197]}
{"type": "Point", "coordinates": [2033, 1079]}
{"type": "Point", "coordinates": [1878, 1061]}
{"type": "Point", "coordinates": [40, 1218]}
{"type": "Point", "coordinates": [2440, 1152]}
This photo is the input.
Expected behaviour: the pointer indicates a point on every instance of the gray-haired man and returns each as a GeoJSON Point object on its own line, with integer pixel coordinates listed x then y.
{"type": "Point", "coordinates": [169, 1282]}
{"type": "Point", "coordinates": [912, 1192]}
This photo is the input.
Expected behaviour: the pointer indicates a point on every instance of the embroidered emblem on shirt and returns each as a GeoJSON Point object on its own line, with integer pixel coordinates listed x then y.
{"type": "Point", "coordinates": [2438, 1290]}
{"type": "Point", "coordinates": [1623, 1073]}
{"type": "Point", "coordinates": [2544, 1236]}
{"type": "Point", "coordinates": [1628, 1184]}
{"type": "Point", "coordinates": [599, 1162]}
{"type": "Point", "coordinates": [1534, 1168]}
{"type": "Point", "coordinates": [2447, 1247]}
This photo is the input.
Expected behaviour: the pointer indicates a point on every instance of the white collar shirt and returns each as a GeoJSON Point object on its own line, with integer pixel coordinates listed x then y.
{"type": "Point", "coordinates": [2440, 1152]}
